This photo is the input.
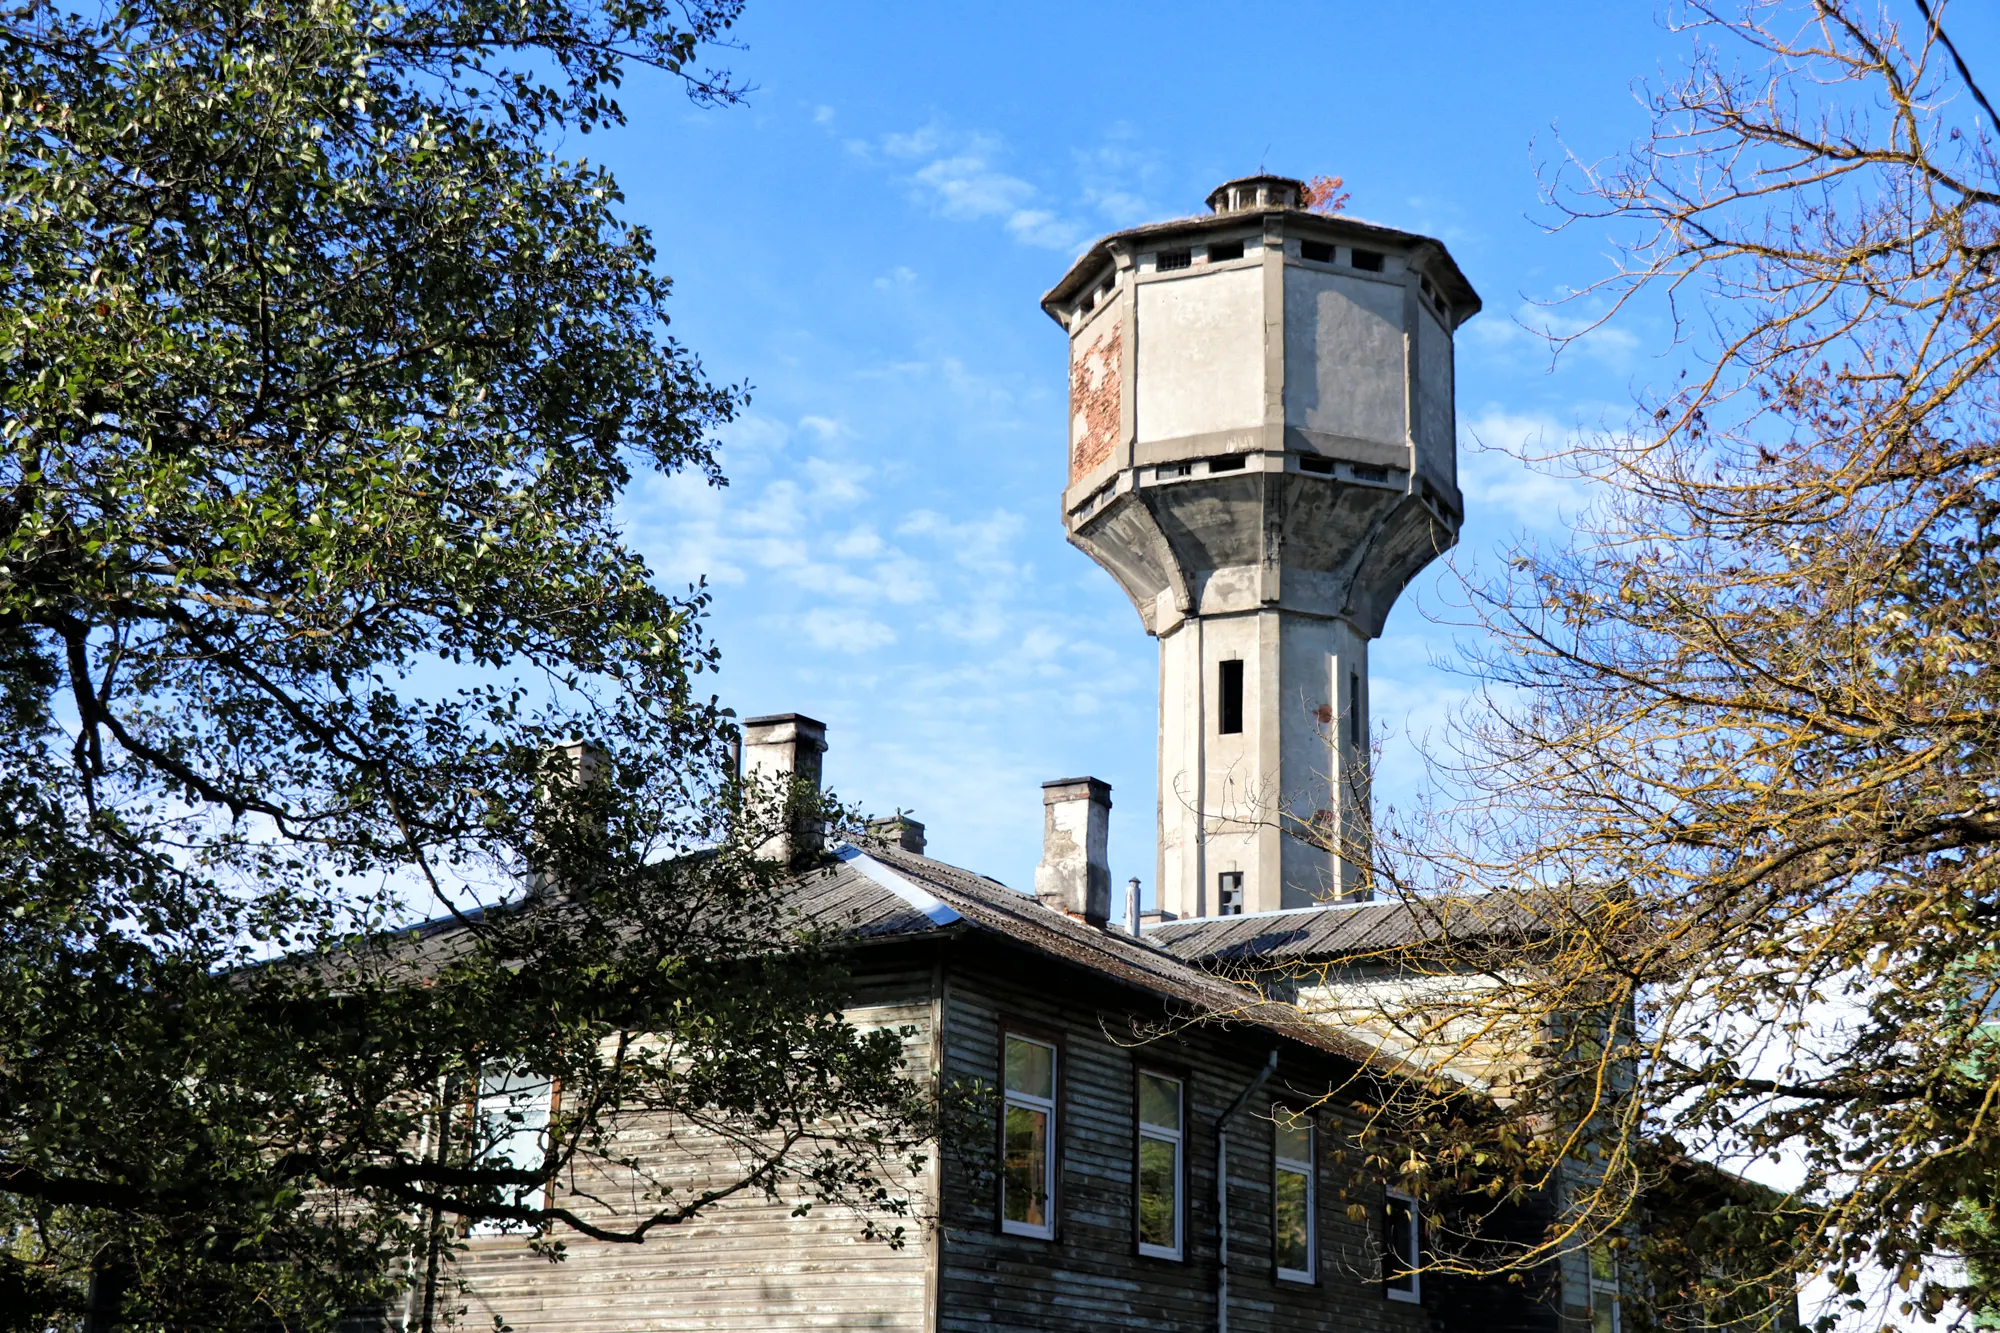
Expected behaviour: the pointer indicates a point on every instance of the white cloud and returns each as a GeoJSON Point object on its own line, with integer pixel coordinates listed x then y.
{"type": "Point", "coordinates": [1509, 462]}
{"type": "Point", "coordinates": [822, 115]}
{"type": "Point", "coordinates": [861, 542]}
{"type": "Point", "coordinates": [844, 631]}
{"type": "Point", "coordinates": [1537, 329]}
{"type": "Point", "coordinates": [960, 178]}
{"type": "Point", "coordinates": [966, 188]}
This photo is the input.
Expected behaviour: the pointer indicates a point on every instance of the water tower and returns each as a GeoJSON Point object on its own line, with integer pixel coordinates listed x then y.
{"type": "Point", "coordinates": [1262, 453]}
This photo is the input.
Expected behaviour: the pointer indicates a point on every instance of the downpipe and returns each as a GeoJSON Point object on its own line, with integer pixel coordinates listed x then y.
{"type": "Point", "coordinates": [1222, 1190]}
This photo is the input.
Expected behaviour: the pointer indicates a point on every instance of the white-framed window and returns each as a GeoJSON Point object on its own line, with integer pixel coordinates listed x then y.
{"type": "Point", "coordinates": [510, 1127]}
{"type": "Point", "coordinates": [1293, 1239]}
{"type": "Point", "coordinates": [1162, 1153]}
{"type": "Point", "coordinates": [1028, 1138]}
{"type": "Point", "coordinates": [1603, 1289]}
{"type": "Point", "coordinates": [1402, 1248]}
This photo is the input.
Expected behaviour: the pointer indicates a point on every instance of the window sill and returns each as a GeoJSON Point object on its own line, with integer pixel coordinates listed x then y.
{"type": "Point", "coordinates": [1023, 1229]}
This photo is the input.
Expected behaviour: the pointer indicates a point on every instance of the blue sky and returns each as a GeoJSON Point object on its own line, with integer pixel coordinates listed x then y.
{"type": "Point", "coordinates": [866, 242]}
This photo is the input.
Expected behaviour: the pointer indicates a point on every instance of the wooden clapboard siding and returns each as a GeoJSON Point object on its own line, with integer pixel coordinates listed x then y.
{"type": "Point", "coordinates": [1091, 1275]}
{"type": "Point", "coordinates": [746, 1265]}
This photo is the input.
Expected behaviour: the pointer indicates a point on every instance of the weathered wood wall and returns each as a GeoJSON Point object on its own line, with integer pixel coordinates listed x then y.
{"type": "Point", "coordinates": [1091, 1274]}
{"type": "Point", "coordinates": [748, 1265]}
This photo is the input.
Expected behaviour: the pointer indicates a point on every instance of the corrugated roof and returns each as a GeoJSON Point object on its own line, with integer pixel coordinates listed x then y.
{"type": "Point", "coordinates": [983, 905]}
{"type": "Point", "coordinates": [879, 893]}
{"type": "Point", "coordinates": [1339, 930]}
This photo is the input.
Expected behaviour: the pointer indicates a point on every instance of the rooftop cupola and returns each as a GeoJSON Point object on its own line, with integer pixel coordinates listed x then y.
{"type": "Point", "coordinates": [1250, 192]}
{"type": "Point", "coordinates": [1262, 452]}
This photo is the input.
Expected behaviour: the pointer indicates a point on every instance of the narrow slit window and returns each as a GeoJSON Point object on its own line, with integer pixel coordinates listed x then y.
{"type": "Point", "coordinates": [1168, 260]}
{"type": "Point", "coordinates": [1027, 1132]}
{"type": "Point", "coordinates": [1292, 1195]}
{"type": "Point", "coordinates": [1402, 1248]}
{"type": "Point", "coordinates": [1221, 252]}
{"type": "Point", "coordinates": [1368, 261]}
{"type": "Point", "coordinates": [1229, 697]}
{"type": "Point", "coordinates": [1354, 709]}
{"type": "Point", "coordinates": [1161, 1153]}
{"type": "Point", "coordinates": [1319, 252]}
{"type": "Point", "coordinates": [1315, 463]}
{"type": "Point", "coordinates": [1228, 463]}
{"type": "Point", "coordinates": [1229, 893]}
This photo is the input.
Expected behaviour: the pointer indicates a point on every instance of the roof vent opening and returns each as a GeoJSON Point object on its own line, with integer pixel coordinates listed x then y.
{"type": "Point", "coordinates": [1368, 261]}
{"type": "Point", "coordinates": [1319, 252]}
{"type": "Point", "coordinates": [1221, 252]}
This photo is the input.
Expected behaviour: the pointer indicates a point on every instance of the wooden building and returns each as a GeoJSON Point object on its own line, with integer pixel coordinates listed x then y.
{"type": "Point", "coordinates": [1120, 1077]}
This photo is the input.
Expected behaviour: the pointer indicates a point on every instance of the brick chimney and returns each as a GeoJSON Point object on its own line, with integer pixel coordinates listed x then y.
{"type": "Point", "coordinates": [786, 747]}
{"type": "Point", "coordinates": [899, 830]}
{"type": "Point", "coordinates": [1075, 874]}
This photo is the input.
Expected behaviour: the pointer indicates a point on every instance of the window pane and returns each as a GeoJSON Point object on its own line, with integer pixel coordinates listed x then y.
{"type": "Point", "coordinates": [1294, 1137]}
{"type": "Point", "coordinates": [512, 1124]}
{"type": "Point", "coordinates": [1604, 1313]}
{"type": "Point", "coordinates": [1602, 1270]}
{"type": "Point", "coordinates": [1159, 1183]}
{"type": "Point", "coordinates": [1160, 1101]}
{"type": "Point", "coordinates": [1294, 1230]}
{"type": "Point", "coordinates": [1024, 1182]}
{"type": "Point", "coordinates": [1399, 1222]}
{"type": "Point", "coordinates": [1031, 1068]}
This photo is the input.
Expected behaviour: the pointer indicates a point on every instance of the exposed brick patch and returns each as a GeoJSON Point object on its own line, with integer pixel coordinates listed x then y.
{"type": "Point", "coordinates": [1093, 403]}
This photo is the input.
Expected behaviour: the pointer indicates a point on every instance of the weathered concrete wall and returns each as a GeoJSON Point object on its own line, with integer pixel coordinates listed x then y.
{"type": "Point", "coordinates": [1201, 353]}
{"type": "Point", "coordinates": [1344, 358]}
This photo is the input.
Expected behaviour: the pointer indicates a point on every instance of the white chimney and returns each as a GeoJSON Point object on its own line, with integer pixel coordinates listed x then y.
{"type": "Point", "coordinates": [786, 747]}
{"type": "Point", "coordinates": [1075, 874]}
{"type": "Point", "coordinates": [569, 771]}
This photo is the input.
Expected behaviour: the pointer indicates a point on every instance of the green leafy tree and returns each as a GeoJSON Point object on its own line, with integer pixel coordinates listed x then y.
{"type": "Point", "coordinates": [321, 375]}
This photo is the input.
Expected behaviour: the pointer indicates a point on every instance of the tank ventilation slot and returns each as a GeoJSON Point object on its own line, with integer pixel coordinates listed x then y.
{"type": "Point", "coordinates": [1221, 252]}
{"type": "Point", "coordinates": [1318, 251]}
{"type": "Point", "coordinates": [1369, 261]}
{"type": "Point", "coordinates": [1234, 463]}
{"type": "Point", "coordinates": [1314, 463]}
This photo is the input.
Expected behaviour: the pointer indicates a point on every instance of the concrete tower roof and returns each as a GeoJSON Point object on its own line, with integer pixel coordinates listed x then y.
{"type": "Point", "coordinates": [1336, 227]}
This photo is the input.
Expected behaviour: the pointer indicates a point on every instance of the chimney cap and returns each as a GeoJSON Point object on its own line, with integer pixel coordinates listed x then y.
{"type": "Point", "coordinates": [1067, 789]}
{"type": "Point", "coordinates": [804, 723]}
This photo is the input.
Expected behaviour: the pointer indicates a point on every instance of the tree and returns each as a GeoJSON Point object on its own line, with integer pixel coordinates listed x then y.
{"type": "Point", "coordinates": [1734, 764]}
{"type": "Point", "coordinates": [323, 375]}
